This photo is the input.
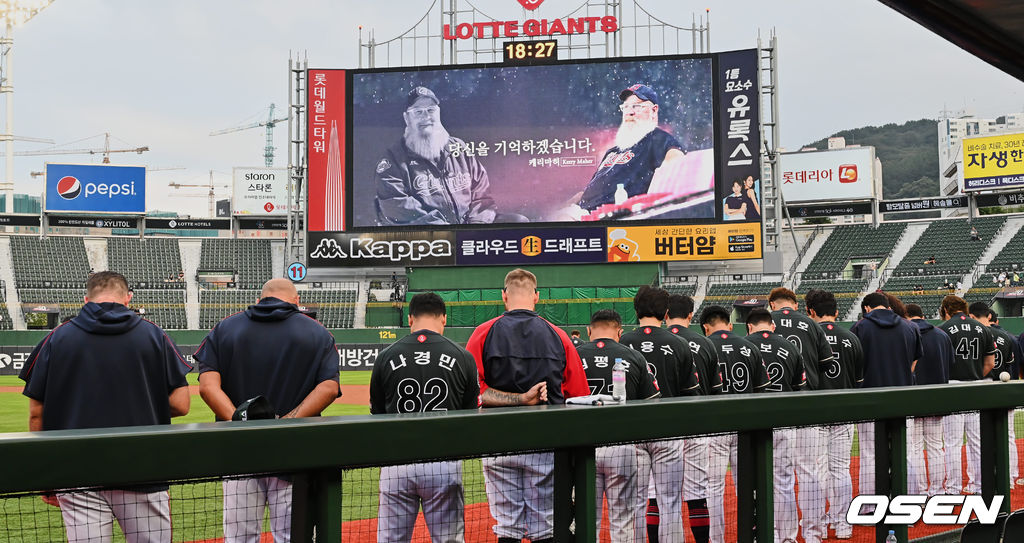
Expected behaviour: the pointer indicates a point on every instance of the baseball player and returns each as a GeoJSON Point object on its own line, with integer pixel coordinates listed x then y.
{"type": "Point", "coordinates": [817, 356]}
{"type": "Point", "coordinates": [522, 359]}
{"type": "Point", "coordinates": [108, 367]}
{"type": "Point", "coordinates": [575, 337]}
{"type": "Point", "coordinates": [743, 372]}
{"type": "Point", "coordinates": [1015, 373]}
{"type": "Point", "coordinates": [669, 359]}
{"type": "Point", "coordinates": [845, 372]}
{"type": "Point", "coordinates": [932, 369]}
{"type": "Point", "coordinates": [423, 372]}
{"type": "Point", "coordinates": [785, 371]}
{"type": "Point", "coordinates": [695, 449]}
{"type": "Point", "coordinates": [274, 350]}
{"type": "Point", "coordinates": [617, 464]}
{"type": "Point", "coordinates": [1005, 361]}
{"type": "Point", "coordinates": [974, 356]}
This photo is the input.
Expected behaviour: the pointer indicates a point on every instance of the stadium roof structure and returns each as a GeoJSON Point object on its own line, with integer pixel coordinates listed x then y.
{"type": "Point", "coordinates": [992, 30]}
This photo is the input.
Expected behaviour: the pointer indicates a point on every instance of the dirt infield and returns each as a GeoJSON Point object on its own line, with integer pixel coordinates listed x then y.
{"type": "Point", "coordinates": [350, 394]}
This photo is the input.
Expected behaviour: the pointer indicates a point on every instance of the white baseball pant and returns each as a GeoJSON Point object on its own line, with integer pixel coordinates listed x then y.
{"type": "Point", "coordinates": [695, 468]}
{"type": "Point", "coordinates": [955, 426]}
{"type": "Point", "coordinates": [797, 456]}
{"type": "Point", "coordinates": [662, 461]}
{"type": "Point", "coordinates": [925, 433]}
{"type": "Point", "coordinates": [721, 453]}
{"type": "Point", "coordinates": [835, 465]}
{"type": "Point", "coordinates": [437, 485]}
{"type": "Point", "coordinates": [617, 481]}
{"type": "Point", "coordinates": [244, 500]}
{"type": "Point", "coordinates": [1014, 466]}
{"type": "Point", "coordinates": [520, 494]}
{"type": "Point", "coordinates": [145, 517]}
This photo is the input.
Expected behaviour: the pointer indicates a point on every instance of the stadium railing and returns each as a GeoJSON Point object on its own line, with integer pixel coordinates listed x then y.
{"type": "Point", "coordinates": [317, 452]}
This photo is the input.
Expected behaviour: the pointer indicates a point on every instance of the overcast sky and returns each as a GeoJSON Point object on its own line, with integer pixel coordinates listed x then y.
{"type": "Point", "coordinates": [166, 74]}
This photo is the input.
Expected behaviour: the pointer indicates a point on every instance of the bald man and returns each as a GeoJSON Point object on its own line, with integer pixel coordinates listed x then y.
{"type": "Point", "coordinates": [272, 350]}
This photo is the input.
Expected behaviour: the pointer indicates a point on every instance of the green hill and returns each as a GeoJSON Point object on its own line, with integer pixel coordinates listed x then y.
{"type": "Point", "coordinates": [909, 155]}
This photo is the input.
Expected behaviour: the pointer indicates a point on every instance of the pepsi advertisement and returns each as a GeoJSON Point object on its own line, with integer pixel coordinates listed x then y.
{"type": "Point", "coordinates": [95, 188]}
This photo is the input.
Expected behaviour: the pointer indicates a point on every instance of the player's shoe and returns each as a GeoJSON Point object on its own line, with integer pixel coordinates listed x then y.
{"type": "Point", "coordinates": [1020, 482]}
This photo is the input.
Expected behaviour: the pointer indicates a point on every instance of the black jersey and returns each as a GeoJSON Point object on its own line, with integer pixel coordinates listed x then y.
{"type": "Point", "coordinates": [576, 342]}
{"type": "Point", "coordinates": [1005, 360]}
{"type": "Point", "coordinates": [423, 372]}
{"type": "Point", "coordinates": [633, 168]}
{"type": "Point", "coordinates": [801, 331]}
{"type": "Point", "coordinates": [668, 358]}
{"type": "Point", "coordinates": [972, 342]}
{"type": "Point", "coordinates": [847, 367]}
{"type": "Point", "coordinates": [781, 360]}
{"type": "Point", "coordinates": [598, 360]}
{"type": "Point", "coordinates": [705, 358]}
{"type": "Point", "coordinates": [740, 364]}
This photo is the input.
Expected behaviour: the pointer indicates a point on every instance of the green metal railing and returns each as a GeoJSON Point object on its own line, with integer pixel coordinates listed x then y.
{"type": "Point", "coordinates": [316, 449]}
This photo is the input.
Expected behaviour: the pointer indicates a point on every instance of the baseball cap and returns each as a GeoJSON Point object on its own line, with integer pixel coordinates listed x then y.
{"type": "Point", "coordinates": [418, 92]}
{"type": "Point", "coordinates": [641, 91]}
{"type": "Point", "coordinates": [255, 409]}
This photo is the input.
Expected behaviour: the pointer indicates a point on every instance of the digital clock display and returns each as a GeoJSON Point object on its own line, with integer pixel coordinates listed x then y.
{"type": "Point", "coordinates": [530, 52]}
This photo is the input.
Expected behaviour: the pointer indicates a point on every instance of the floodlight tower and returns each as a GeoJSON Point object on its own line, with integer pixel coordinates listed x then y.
{"type": "Point", "coordinates": [12, 13]}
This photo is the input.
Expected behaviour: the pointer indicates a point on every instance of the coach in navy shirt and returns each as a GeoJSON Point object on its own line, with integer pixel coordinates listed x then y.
{"type": "Point", "coordinates": [272, 350]}
{"type": "Point", "coordinates": [932, 369]}
{"type": "Point", "coordinates": [108, 367]}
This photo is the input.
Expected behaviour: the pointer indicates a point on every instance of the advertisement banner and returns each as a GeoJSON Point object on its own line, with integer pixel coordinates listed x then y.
{"type": "Point", "coordinates": [1004, 199]}
{"type": "Point", "coordinates": [264, 224]}
{"type": "Point", "coordinates": [95, 188]}
{"type": "Point", "coordinates": [922, 204]}
{"type": "Point", "coordinates": [188, 224]}
{"type": "Point", "coordinates": [19, 220]}
{"type": "Point", "coordinates": [803, 212]}
{"type": "Point", "coordinates": [325, 141]}
{"type": "Point", "coordinates": [260, 191]}
{"type": "Point", "coordinates": [524, 246]}
{"type": "Point", "coordinates": [993, 162]}
{"type": "Point", "coordinates": [687, 242]}
{"type": "Point", "coordinates": [92, 222]}
{"type": "Point", "coordinates": [339, 249]}
{"type": "Point", "coordinates": [738, 137]}
{"type": "Point", "coordinates": [836, 174]}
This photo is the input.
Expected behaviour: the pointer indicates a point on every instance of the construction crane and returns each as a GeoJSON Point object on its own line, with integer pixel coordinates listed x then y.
{"type": "Point", "coordinates": [105, 150]}
{"type": "Point", "coordinates": [210, 185]}
{"type": "Point", "coordinates": [270, 123]}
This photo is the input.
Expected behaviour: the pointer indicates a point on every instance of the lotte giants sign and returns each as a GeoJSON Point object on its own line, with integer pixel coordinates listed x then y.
{"type": "Point", "coordinates": [530, 27]}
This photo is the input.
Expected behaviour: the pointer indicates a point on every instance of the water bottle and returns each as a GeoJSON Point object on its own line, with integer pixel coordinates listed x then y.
{"type": "Point", "coordinates": [619, 381]}
{"type": "Point", "coordinates": [891, 538]}
{"type": "Point", "coordinates": [620, 194]}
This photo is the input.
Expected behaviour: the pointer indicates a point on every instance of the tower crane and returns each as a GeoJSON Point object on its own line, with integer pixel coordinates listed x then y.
{"type": "Point", "coordinates": [270, 123]}
{"type": "Point", "coordinates": [210, 185]}
{"type": "Point", "coordinates": [105, 150]}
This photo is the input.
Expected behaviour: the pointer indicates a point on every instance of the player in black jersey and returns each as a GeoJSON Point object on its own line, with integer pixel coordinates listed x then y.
{"type": "Point", "coordinates": [974, 356]}
{"type": "Point", "coordinates": [669, 359]}
{"type": "Point", "coordinates": [743, 371]}
{"type": "Point", "coordinates": [800, 330]}
{"type": "Point", "coordinates": [574, 336]}
{"type": "Point", "coordinates": [1015, 373]}
{"type": "Point", "coordinates": [423, 372]}
{"type": "Point", "coordinates": [1005, 361]}
{"type": "Point", "coordinates": [845, 371]}
{"type": "Point", "coordinates": [616, 464]}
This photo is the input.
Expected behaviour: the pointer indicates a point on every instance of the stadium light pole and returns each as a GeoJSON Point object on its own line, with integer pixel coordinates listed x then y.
{"type": "Point", "coordinates": [12, 13]}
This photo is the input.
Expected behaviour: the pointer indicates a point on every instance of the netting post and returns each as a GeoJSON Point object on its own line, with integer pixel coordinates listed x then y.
{"type": "Point", "coordinates": [563, 495]}
{"type": "Point", "coordinates": [584, 481]}
{"type": "Point", "coordinates": [995, 456]}
{"type": "Point", "coordinates": [316, 506]}
{"type": "Point", "coordinates": [755, 516]}
{"type": "Point", "coordinates": [891, 468]}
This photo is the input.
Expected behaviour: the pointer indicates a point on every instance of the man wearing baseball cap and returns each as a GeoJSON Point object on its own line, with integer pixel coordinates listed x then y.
{"type": "Point", "coordinates": [641, 149]}
{"type": "Point", "coordinates": [428, 177]}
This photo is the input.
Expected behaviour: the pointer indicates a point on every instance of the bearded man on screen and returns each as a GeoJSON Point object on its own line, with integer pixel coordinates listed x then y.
{"type": "Point", "coordinates": [427, 177]}
{"type": "Point", "coordinates": [642, 152]}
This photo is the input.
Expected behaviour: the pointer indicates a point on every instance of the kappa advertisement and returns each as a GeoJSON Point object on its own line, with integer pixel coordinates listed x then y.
{"type": "Point", "coordinates": [95, 188]}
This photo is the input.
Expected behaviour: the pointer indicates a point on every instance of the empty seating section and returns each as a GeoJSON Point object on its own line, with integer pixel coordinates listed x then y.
{"type": "Point", "coordinates": [687, 289]}
{"type": "Point", "coordinates": [934, 292]}
{"type": "Point", "coordinates": [724, 294]}
{"type": "Point", "coordinates": [847, 292]}
{"type": "Point", "coordinates": [70, 300]}
{"type": "Point", "coordinates": [949, 242]}
{"type": "Point", "coordinates": [334, 304]}
{"type": "Point", "coordinates": [153, 261]}
{"type": "Point", "coordinates": [847, 242]}
{"type": "Point", "coordinates": [166, 308]}
{"type": "Point", "coordinates": [214, 304]}
{"type": "Point", "coordinates": [249, 258]}
{"type": "Point", "coordinates": [1012, 254]}
{"type": "Point", "coordinates": [51, 262]}
{"type": "Point", "coordinates": [5, 316]}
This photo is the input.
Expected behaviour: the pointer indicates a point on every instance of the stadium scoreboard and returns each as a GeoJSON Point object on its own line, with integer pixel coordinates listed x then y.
{"type": "Point", "coordinates": [530, 52]}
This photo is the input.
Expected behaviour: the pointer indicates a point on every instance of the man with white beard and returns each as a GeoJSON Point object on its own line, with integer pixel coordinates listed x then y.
{"type": "Point", "coordinates": [427, 178]}
{"type": "Point", "coordinates": [641, 149]}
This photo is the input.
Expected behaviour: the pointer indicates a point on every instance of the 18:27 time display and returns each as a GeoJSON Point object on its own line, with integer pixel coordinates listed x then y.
{"type": "Point", "coordinates": [530, 51]}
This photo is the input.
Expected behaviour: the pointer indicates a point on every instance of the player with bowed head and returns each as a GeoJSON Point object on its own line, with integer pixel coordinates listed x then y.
{"type": "Point", "coordinates": [421, 373]}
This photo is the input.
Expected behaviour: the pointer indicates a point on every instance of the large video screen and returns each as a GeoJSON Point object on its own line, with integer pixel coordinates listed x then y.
{"type": "Point", "coordinates": [646, 141]}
